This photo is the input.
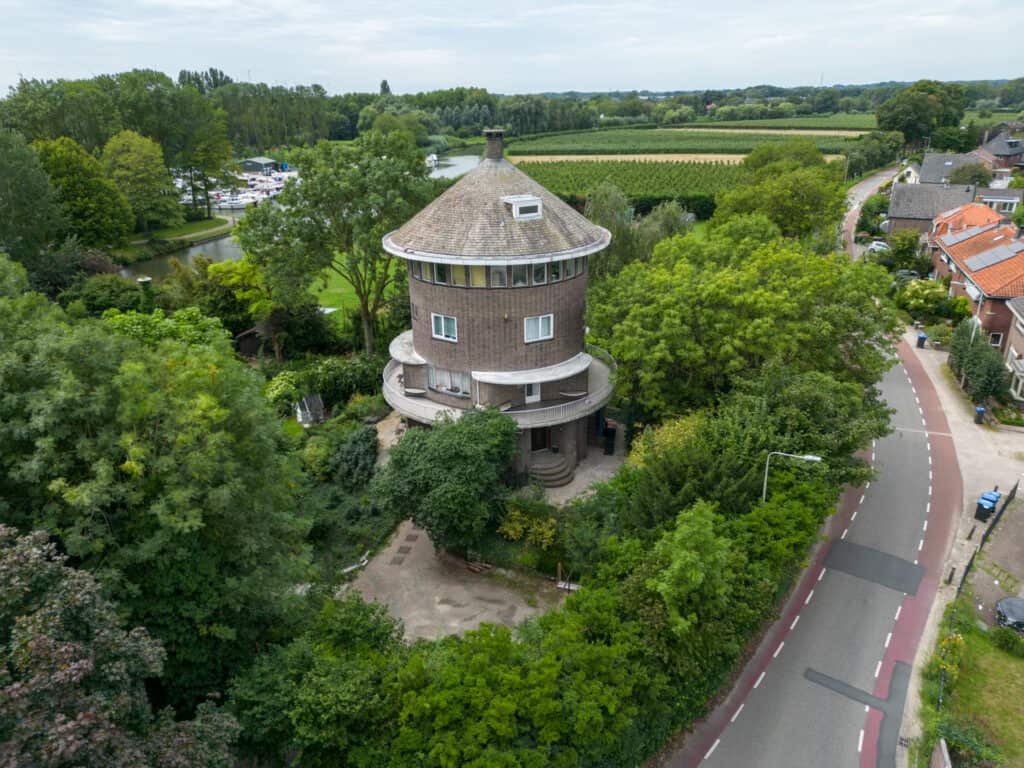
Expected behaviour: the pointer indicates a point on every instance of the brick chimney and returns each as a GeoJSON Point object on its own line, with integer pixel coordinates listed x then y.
{"type": "Point", "coordinates": [495, 143]}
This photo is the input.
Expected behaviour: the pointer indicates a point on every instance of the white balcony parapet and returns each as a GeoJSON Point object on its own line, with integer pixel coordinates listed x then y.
{"type": "Point", "coordinates": [601, 385]}
{"type": "Point", "coordinates": [574, 365]}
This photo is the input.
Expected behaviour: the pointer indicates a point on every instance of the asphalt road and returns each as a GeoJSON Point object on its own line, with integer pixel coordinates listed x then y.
{"type": "Point", "coordinates": [858, 193]}
{"type": "Point", "coordinates": [827, 687]}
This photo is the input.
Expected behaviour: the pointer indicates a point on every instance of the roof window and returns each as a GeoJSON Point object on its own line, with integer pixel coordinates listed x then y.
{"type": "Point", "coordinates": [525, 207]}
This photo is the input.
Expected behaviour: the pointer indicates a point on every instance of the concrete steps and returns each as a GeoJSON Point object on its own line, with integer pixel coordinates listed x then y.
{"type": "Point", "coordinates": [551, 470]}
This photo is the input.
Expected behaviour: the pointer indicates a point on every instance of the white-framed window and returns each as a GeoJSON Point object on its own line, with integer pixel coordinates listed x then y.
{"type": "Point", "coordinates": [499, 278]}
{"type": "Point", "coordinates": [520, 275]}
{"type": "Point", "coordinates": [442, 273]}
{"type": "Point", "coordinates": [450, 382]}
{"type": "Point", "coordinates": [417, 270]}
{"type": "Point", "coordinates": [533, 393]}
{"type": "Point", "coordinates": [538, 328]}
{"type": "Point", "coordinates": [556, 271]}
{"type": "Point", "coordinates": [540, 274]}
{"type": "Point", "coordinates": [444, 327]}
{"type": "Point", "coordinates": [567, 268]}
{"type": "Point", "coordinates": [995, 339]}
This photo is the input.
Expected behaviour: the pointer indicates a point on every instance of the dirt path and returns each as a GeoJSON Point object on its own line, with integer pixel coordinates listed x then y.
{"type": "Point", "coordinates": [780, 131]}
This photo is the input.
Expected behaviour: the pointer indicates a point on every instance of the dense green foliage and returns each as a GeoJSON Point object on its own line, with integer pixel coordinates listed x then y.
{"type": "Point", "coordinates": [980, 363]}
{"type": "Point", "coordinates": [705, 311]}
{"type": "Point", "coordinates": [72, 678]}
{"type": "Point", "coordinates": [645, 183]}
{"type": "Point", "coordinates": [159, 466]}
{"type": "Point", "coordinates": [451, 479]}
{"type": "Point", "coordinates": [136, 165]}
{"type": "Point", "coordinates": [921, 108]}
{"type": "Point", "coordinates": [30, 215]}
{"type": "Point", "coordinates": [634, 141]}
{"type": "Point", "coordinates": [97, 212]}
{"type": "Point", "coordinates": [839, 121]}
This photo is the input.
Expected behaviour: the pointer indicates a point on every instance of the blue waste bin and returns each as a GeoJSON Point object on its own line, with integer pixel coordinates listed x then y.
{"type": "Point", "coordinates": [992, 496]}
{"type": "Point", "coordinates": [979, 414]}
{"type": "Point", "coordinates": [921, 339]}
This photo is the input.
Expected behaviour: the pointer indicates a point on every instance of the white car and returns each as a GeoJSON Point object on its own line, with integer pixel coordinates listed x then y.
{"type": "Point", "coordinates": [878, 245]}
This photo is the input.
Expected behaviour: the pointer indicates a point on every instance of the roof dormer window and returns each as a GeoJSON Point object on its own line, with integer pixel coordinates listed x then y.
{"type": "Point", "coordinates": [525, 207]}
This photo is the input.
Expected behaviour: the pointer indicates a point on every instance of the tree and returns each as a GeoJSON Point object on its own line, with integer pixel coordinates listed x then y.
{"type": "Point", "coordinates": [200, 149]}
{"type": "Point", "coordinates": [160, 468]}
{"type": "Point", "coordinates": [97, 213]}
{"type": "Point", "coordinates": [980, 364]}
{"type": "Point", "coordinates": [805, 202]}
{"type": "Point", "coordinates": [904, 252]}
{"type": "Point", "coordinates": [30, 214]}
{"type": "Point", "coordinates": [705, 312]}
{"type": "Point", "coordinates": [73, 689]}
{"type": "Point", "coordinates": [922, 107]}
{"type": "Point", "coordinates": [1012, 94]}
{"type": "Point", "coordinates": [972, 173]}
{"type": "Point", "coordinates": [385, 89]}
{"type": "Point", "coordinates": [350, 196]}
{"type": "Point", "coordinates": [136, 165]}
{"type": "Point", "coordinates": [451, 479]}
{"type": "Point", "coordinates": [696, 570]}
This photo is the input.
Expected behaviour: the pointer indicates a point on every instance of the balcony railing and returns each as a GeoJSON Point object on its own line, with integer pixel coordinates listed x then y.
{"type": "Point", "coordinates": [600, 386]}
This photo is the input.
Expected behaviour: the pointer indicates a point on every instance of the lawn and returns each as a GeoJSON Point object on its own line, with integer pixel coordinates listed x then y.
{"type": "Point", "coordinates": [660, 140]}
{"type": "Point", "coordinates": [851, 121]}
{"type": "Point", "coordinates": [989, 693]}
{"type": "Point", "coordinates": [337, 292]}
{"type": "Point", "coordinates": [189, 228]}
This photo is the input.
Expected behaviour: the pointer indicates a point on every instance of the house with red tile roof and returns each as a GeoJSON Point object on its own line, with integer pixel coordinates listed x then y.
{"type": "Point", "coordinates": [984, 256]}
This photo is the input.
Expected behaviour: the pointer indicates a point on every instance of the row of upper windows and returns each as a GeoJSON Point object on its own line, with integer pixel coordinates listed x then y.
{"type": "Point", "coordinates": [537, 328]}
{"type": "Point", "coordinates": [519, 276]}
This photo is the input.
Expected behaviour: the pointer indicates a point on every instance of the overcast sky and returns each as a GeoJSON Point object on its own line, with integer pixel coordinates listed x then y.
{"type": "Point", "coordinates": [521, 46]}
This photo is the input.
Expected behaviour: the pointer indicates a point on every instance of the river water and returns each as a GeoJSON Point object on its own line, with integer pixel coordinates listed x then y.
{"type": "Point", "coordinates": [451, 166]}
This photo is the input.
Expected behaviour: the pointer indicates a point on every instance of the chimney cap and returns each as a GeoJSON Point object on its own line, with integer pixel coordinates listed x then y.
{"type": "Point", "coordinates": [495, 143]}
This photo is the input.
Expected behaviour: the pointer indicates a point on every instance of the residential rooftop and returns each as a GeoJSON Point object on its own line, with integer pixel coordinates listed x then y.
{"type": "Point", "coordinates": [926, 201]}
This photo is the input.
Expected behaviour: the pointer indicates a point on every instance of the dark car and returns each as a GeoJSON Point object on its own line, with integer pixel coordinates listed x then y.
{"type": "Point", "coordinates": [1010, 613]}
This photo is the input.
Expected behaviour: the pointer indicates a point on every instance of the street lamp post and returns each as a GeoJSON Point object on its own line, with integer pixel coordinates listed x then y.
{"type": "Point", "coordinates": [801, 457]}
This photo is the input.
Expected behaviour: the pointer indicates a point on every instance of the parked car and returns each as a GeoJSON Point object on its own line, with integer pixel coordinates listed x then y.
{"type": "Point", "coordinates": [1010, 613]}
{"type": "Point", "coordinates": [906, 275]}
{"type": "Point", "coordinates": [878, 245]}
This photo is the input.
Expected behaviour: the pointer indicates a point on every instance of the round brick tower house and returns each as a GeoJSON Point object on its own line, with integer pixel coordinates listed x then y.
{"type": "Point", "coordinates": [497, 286]}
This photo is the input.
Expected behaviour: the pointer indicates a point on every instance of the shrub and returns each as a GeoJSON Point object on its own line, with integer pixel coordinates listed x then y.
{"type": "Point", "coordinates": [336, 379]}
{"type": "Point", "coordinates": [284, 391]}
{"type": "Point", "coordinates": [1008, 640]}
{"type": "Point", "coordinates": [531, 519]}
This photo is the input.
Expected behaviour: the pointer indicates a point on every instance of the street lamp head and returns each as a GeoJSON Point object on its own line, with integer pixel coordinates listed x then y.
{"type": "Point", "coordinates": [811, 457]}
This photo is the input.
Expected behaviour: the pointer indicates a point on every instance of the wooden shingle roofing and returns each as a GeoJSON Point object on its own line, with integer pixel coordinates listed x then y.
{"type": "Point", "coordinates": [473, 221]}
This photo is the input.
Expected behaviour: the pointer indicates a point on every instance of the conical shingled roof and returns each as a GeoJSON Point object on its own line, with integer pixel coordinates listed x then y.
{"type": "Point", "coordinates": [472, 220]}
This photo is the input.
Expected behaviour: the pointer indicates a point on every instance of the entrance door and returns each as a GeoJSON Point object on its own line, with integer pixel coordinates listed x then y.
{"type": "Point", "coordinates": [540, 438]}
{"type": "Point", "coordinates": [533, 393]}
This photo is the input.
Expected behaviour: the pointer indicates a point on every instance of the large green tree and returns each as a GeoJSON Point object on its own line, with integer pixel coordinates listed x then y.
{"type": "Point", "coordinates": [97, 212]}
{"type": "Point", "coordinates": [30, 215]}
{"type": "Point", "coordinates": [451, 479]}
{"type": "Point", "coordinates": [159, 466]}
{"type": "Point", "coordinates": [922, 107]}
{"type": "Point", "coordinates": [706, 312]}
{"type": "Point", "coordinates": [72, 686]}
{"type": "Point", "coordinates": [136, 165]}
{"type": "Point", "coordinates": [350, 196]}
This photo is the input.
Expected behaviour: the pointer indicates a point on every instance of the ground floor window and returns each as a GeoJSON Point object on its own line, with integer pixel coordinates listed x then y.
{"type": "Point", "coordinates": [1017, 387]}
{"type": "Point", "coordinates": [450, 382]}
{"type": "Point", "coordinates": [533, 393]}
{"type": "Point", "coordinates": [995, 339]}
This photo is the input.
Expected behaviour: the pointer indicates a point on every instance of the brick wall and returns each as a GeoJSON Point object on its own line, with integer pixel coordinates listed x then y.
{"type": "Point", "coordinates": [490, 324]}
{"type": "Point", "coordinates": [921, 225]}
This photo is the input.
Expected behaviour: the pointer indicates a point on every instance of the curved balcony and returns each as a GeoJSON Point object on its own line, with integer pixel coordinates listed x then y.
{"type": "Point", "coordinates": [600, 386]}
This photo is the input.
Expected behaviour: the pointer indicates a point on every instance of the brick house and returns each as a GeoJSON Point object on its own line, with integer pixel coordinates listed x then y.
{"type": "Point", "coordinates": [1015, 347]}
{"type": "Point", "coordinates": [497, 271]}
{"type": "Point", "coordinates": [984, 256]}
{"type": "Point", "coordinates": [915, 206]}
{"type": "Point", "coordinates": [1007, 150]}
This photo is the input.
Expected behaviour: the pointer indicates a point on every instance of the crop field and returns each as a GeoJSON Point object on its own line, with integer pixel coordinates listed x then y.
{"type": "Point", "coordinates": [632, 141]}
{"type": "Point", "coordinates": [805, 132]}
{"type": "Point", "coordinates": [645, 182]}
{"type": "Point", "coordinates": [840, 121]}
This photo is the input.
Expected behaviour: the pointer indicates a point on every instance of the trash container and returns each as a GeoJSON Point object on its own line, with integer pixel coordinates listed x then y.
{"type": "Point", "coordinates": [992, 496]}
{"type": "Point", "coordinates": [979, 414]}
{"type": "Point", "coordinates": [921, 339]}
{"type": "Point", "coordinates": [984, 510]}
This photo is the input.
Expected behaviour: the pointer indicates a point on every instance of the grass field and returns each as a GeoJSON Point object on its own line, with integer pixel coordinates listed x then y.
{"type": "Point", "coordinates": [338, 292]}
{"type": "Point", "coordinates": [189, 228]}
{"type": "Point", "coordinates": [658, 141]}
